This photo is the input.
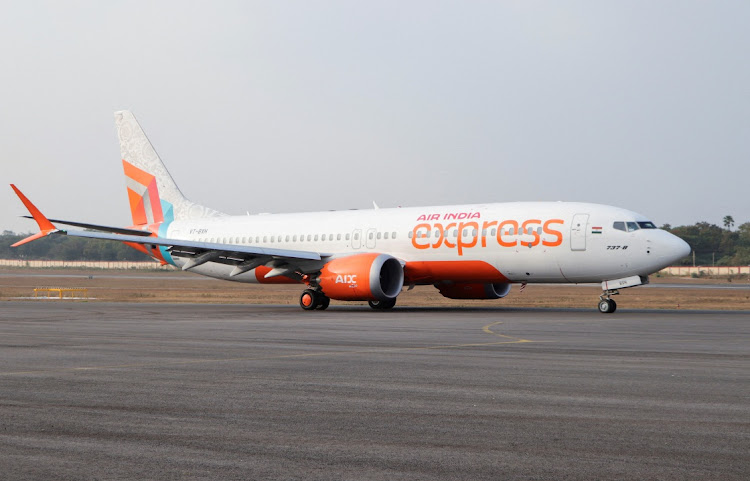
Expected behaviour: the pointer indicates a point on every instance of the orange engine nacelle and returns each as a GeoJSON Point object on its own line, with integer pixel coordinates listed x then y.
{"type": "Point", "coordinates": [362, 277]}
{"type": "Point", "coordinates": [474, 291]}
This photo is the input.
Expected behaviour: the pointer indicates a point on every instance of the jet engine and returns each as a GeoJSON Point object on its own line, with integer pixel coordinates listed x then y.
{"type": "Point", "coordinates": [474, 291]}
{"type": "Point", "coordinates": [362, 277]}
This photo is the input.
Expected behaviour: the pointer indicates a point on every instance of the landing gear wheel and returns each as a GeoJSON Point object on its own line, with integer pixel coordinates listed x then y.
{"type": "Point", "coordinates": [607, 306]}
{"type": "Point", "coordinates": [381, 305]}
{"type": "Point", "coordinates": [324, 302]}
{"type": "Point", "coordinates": [309, 300]}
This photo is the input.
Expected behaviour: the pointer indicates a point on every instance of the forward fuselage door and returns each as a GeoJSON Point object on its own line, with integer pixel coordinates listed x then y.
{"type": "Point", "coordinates": [578, 232]}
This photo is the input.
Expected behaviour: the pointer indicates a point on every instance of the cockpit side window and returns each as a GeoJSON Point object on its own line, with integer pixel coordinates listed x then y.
{"type": "Point", "coordinates": [646, 225]}
{"type": "Point", "coordinates": [632, 226]}
{"type": "Point", "coordinates": [619, 226]}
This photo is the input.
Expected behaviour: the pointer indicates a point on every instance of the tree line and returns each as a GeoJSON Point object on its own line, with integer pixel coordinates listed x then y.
{"type": "Point", "coordinates": [64, 248]}
{"type": "Point", "coordinates": [714, 245]}
{"type": "Point", "coordinates": [711, 244]}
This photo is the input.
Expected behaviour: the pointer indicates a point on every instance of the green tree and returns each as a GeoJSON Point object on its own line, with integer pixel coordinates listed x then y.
{"type": "Point", "coordinates": [728, 222]}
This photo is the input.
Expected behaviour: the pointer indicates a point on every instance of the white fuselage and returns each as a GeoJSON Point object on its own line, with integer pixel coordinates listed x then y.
{"type": "Point", "coordinates": [523, 241]}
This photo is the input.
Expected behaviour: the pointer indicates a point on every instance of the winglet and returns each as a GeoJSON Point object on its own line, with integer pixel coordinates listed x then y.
{"type": "Point", "coordinates": [45, 226]}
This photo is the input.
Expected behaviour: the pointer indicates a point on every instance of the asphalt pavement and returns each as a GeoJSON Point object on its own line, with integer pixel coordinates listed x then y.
{"type": "Point", "coordinates": [94, 390]}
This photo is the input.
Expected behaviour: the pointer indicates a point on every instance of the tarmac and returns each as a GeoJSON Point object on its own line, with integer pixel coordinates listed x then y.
{"type": "Point", "coordinates": [94, 390]}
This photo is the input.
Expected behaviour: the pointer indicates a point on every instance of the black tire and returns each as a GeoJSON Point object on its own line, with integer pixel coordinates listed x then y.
{"type": "Point", "coordinates": [614, 306]}
{"type": "Point", "coordinates": [324, 302]}
{"type": "Point", "coordinates": [605, 307]}
{"type": "Point", "coordinates": [309, 300]}
{"type": "Point", "coordinates": [382, 305]}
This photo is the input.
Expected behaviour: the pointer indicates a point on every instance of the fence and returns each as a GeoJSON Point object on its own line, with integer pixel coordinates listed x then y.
{"type": "Point", "coordinates": [706, 270]}
{"type": "Point", "coordinates": [83, 264]}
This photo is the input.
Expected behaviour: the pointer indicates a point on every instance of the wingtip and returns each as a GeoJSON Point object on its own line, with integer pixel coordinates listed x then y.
{"type": "Point", "coordinates": [45, 226]}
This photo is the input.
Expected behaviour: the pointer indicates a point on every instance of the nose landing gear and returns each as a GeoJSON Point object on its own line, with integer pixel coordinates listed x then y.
{"type": "Point", "coordinates": [607, 305]}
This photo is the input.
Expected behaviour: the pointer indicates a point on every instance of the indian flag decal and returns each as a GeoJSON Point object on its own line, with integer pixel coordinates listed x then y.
{"type": "Point", "coordinates": [596, 230]}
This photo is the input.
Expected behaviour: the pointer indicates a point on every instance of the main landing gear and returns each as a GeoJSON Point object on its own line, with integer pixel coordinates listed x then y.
{"type": "Point", "coordinates": [607, 305]}
{"type": "Point", "coordinates": [382, 305]}
{"type": "Point", "coordinates": [312, 299]}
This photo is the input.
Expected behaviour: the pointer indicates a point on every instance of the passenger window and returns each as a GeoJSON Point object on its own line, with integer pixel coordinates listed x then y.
{"type": "Point", "coordinates": [393, 236]}
{"type": "Point", "coordinates": [347, 236]}
{"type": "Point", "coordinates": [265, 238]}
{"type": "Point", "coordinates": [356, 236]}
{"type": "Point", "coordinates": [323, 237]}
{"type": "Point", "coordinates": [287, 238]}
{"type": "Point", "coordinates": [455, 232]}
{"type": "Point", "coordinates": [338, 237]}
{"type": "Point", "coordinates": [492, 232]}
{"type": "Point", "coordinates": [386, 236]}
{"type": "Point", "coordinates": [294, 239]}
{"type": "Point", "coordinates": [309, 237]}
{"type": "Point", "coordinates": [316, 237]}
{"type": "Point", "coordinates": [379, 235]}
{"type": "Point", "coordinates": [619, 226]}
{"type": "Point", "coordinates": [370, 236]}
{"type": "Point", "coordinates": [632, 226]}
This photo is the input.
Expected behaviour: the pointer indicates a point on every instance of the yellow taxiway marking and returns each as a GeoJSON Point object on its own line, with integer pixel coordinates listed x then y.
{"type": "Point", "coordinates": [488, 330]}
{"type": "Point", "coordinates": [258, 358]}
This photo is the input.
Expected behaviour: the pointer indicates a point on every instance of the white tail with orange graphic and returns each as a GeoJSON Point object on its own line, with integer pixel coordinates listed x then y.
{"type": "Point", "coordinates": [153, 195]}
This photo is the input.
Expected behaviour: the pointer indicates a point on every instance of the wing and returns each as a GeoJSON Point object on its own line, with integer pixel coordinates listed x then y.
{"type": "Point", "coordinates": [283, 262]}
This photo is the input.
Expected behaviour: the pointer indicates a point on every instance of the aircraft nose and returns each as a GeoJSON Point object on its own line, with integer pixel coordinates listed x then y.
{"type": "Point", "coordinates": [677, 248]}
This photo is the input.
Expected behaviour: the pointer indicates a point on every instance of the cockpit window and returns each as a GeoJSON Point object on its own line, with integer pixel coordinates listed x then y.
{"type": "Point", "coordinates": [647, 225]}
{"type": "Point", "coordinates": [619, 226]}
{"type": "Point", "coordinates": [632, 226]}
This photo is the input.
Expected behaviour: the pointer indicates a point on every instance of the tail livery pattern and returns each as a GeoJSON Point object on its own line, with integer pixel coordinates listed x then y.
{"type": "Point", "coordinates": [147, 208]}
{"type": "Point", "coordinates": [147, 176]}
{"type": "Point", "coordinates": [143, 193]}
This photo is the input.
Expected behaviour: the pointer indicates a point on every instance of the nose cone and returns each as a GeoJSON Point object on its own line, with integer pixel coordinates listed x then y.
{"type": "Point", "coordinates": [675, 248]}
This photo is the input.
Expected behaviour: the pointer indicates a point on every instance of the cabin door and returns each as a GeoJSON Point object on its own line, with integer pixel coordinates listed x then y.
{"type": "Point", "coordinates": [578, 232]}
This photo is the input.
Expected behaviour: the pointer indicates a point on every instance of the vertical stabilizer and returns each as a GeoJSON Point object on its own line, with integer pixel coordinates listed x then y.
{"type": "Point", "coordinates": [153, 195]}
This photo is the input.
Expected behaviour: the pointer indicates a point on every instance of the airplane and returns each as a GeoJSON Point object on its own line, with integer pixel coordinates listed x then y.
{"type": "Point", "coordinates": [475, 251]}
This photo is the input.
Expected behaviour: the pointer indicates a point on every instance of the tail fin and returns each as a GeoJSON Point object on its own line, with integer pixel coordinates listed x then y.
{"type": "Point", "coordinates": [154, 197]}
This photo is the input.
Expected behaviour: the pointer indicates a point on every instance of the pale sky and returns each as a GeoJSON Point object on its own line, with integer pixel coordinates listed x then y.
{"type": "Point", "coordinates": [285, 106]}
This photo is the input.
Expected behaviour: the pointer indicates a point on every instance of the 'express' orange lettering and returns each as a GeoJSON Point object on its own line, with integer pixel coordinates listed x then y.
{"type": "Point", "coordinates": [485, 226]}
{"type": "Point", "coordinates": [418, 235]}
{"type": "Point", "coordinates": [553, 232]}
{"type": "Point", "coordinates": [500, 233]}
{"type": "Point", "coordinates": [533, 231]}
{"type": "Point", "coordinates": [460, 242]}
{"type": "Point", "coordinates": [445, 237]}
